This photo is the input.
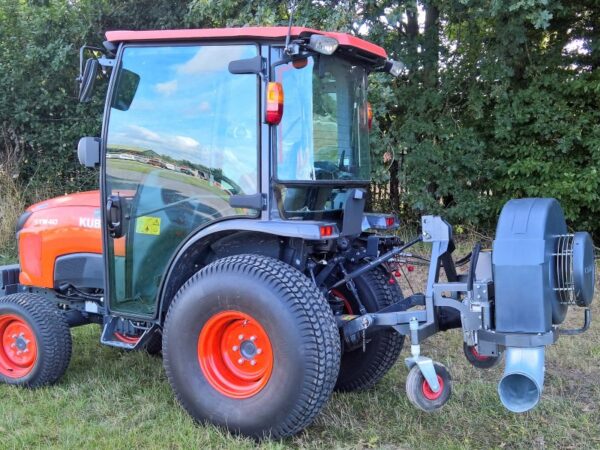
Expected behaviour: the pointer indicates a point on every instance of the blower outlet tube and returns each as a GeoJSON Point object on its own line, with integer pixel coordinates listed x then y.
{"type": "Point", "coordinates": [520, 388]}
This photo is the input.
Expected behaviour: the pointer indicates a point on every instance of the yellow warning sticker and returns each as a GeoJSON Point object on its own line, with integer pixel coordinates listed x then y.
{"type": "Point", "coordinates": [148, 225]}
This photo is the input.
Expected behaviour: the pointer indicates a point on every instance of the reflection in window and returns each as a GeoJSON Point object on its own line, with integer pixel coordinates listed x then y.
{"type": "Point", "coordinates": [182, 139]}
{"type": "Point", "coordinates": [324, 131]}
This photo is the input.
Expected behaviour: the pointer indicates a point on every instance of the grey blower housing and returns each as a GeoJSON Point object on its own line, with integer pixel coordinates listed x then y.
{"type": "Point", "coordinates": [539, 270]}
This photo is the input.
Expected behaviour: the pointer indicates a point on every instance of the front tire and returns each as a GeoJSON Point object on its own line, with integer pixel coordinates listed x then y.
{"type": "Point", "coordinates": [215, 327]}
{"type": "Point", "coordinates": [35, 341]}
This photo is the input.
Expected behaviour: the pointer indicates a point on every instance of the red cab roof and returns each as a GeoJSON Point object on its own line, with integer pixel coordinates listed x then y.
{"type": "Point", "coordinates": [345, 40]}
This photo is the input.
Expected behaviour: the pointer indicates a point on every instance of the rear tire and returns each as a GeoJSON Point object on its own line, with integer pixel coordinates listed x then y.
{"type": "Point", "coordinates": [287, 318]}
{"type": "Point", "coordinates": [35, 341]}
{"type": "Point", "coordinates": [154, 344]}
{"type": "Point", "coordinates": [361, 370]}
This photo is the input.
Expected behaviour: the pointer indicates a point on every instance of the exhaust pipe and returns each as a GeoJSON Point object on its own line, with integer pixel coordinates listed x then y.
{"type": "Point", "coordinates": [520, 388]}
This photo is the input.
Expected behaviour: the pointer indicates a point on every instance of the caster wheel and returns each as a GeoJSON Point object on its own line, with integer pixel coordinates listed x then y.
{"type": "Point", "coordinates": [420, 393]}
{"type": "Point", "coordinates": [480, 361]}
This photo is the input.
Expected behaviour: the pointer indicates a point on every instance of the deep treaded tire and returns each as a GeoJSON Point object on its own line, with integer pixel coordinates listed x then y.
{"type": "Point", "coordinates": [361, 370]}
{"type": "Point", "coordinates": [286, 312]}
{"type": "Point", "coordinates": [48, 335]}
{"type": "Point", "coordinates": [154, 345]}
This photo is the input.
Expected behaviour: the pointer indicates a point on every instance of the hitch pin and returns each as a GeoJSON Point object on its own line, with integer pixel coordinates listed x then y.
{"type": "Point", "coordinates": [415, 347]}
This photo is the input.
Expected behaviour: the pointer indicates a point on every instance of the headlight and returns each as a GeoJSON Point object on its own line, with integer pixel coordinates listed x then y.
{"type": "Point", "coordinates": [394, 67]}
{"type": "Point", "coordinates": [323, 44]}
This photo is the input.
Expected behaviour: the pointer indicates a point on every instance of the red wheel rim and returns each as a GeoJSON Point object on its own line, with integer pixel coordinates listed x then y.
{"type": "Point", "coordinates": [428, 392]}
{"type": "Point", "coordinates": [235, 354]}
{"type": "Point", "coordinates": [127, 339]}
{"type": "Point", "coordinates": [476, 354]}
{"type": "Point", "coordinates": [342, 297]}
{"type": "Point", "coordinates": [18, 347]}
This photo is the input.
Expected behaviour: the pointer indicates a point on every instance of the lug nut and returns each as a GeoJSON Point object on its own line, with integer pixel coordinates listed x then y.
{"type": "Point", "coordinates": [258, 351]}
{"type": "Point", "coordinates": [252, 338]}
{"type": "Point", "coordinates": [18, 352]}
{"type": "Point", "coordinates": [241, 337]}
{"type": "Point", "coordinates": [235, 348]}
{"type": "Point", "coordinates": [253, 363]}
{"type": "Point", "coordinates": [13, 345]}
{"type": "Point", "coordinates": [241, 361]}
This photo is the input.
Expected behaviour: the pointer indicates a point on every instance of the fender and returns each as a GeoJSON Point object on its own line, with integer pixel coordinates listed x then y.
{"type": "Point", "coordinates": [185, 260]}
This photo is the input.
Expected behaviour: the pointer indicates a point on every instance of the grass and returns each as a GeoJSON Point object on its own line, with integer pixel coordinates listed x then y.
{"type": "Point", "coordinates": [114, 399]}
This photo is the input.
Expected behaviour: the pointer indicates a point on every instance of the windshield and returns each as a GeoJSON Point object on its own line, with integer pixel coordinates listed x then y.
{"type": "Point", "coordinates": [323, 136]}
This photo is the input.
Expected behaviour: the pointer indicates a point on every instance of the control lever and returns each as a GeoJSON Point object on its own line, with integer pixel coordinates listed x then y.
{"type": "Point", "coordinates": [473, 266]}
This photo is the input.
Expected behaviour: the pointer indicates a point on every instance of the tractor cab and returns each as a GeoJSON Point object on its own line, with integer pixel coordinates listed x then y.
{"type": "Point", "coordinates": [202, 127]}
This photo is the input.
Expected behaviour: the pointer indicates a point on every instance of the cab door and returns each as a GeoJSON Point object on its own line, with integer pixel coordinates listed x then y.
{"type": "Point", "coordinates": [182, 137]}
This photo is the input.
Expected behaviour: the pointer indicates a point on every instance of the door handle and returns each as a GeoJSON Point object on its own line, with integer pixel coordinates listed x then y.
{"type": "Point", "coordinates": [114, 216]}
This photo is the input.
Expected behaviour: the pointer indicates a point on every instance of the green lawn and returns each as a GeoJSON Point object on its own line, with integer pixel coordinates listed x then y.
{"type": "Point", "coordinates": [113, 399]}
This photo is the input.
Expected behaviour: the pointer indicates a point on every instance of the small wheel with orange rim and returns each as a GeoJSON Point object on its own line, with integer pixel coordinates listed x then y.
{"type": "Point", "coordinates": [35, 341]}
{"type": "Point", "coordinates": [478, 360]}
{"type": "Point", "coordinates": [421, 394]}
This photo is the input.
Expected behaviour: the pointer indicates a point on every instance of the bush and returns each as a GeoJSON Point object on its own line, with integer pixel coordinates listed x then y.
{"type": "Point", "coordinates": [12, 201]}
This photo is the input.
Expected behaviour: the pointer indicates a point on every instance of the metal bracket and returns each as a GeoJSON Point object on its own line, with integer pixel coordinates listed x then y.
{"type": "Point", "coordinates": [108, 333]}
{"type": "Point", "coordinates": [518, 339]}
{"type": "Point", "coordinates": [107, 62]}
{"type": "Point", "coordinates": [425, 364]}
{"type": "Point", "coordinates": [587, 320]}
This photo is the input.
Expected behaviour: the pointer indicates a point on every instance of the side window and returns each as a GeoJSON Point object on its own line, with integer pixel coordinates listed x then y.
{"type": "Point", "coordinates": [182, 139]}
{"type": "Point", "coordinates": [178, 109]}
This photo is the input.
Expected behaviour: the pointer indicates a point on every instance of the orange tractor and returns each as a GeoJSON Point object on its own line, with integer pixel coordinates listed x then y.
{"type": "Point", "coordinates": [230, 233]}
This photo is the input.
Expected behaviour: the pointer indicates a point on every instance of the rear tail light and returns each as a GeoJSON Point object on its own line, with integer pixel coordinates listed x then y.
{"type": "Point", "coordinates": [381, 221]}
{"type": "Point", "coordinates": [274, 109]}
{"type": "Point", "coordinates": [326, 231]}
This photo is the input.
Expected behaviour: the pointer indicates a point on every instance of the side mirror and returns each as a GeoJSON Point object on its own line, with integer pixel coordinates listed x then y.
{"type": "Point", "coordinates": [86, 82]}
{"type": "Point", "coordinates": [247, 66]}
{"type": "Point", "coordinates": [88, 151]}
{"type": "Point", "coordinates": [126, 89]}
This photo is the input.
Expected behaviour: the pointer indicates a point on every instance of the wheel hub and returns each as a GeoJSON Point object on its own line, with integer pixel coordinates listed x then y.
{"type": "Point", "coordinates": [429, 393]}
{"type": "Point", "coordinates": [235, 354]}
{"type": "Point", "coordinates": [248, 349]}
{"type": "Point", "coordinates": [21, 342]}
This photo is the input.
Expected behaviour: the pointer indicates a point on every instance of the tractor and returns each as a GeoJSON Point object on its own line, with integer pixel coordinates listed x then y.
{"type": "Point", "coordinates": [230, 233]}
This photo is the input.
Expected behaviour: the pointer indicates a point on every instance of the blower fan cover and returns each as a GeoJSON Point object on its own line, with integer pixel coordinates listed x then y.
{"type": "Point", "coordinates": [575, 270]}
